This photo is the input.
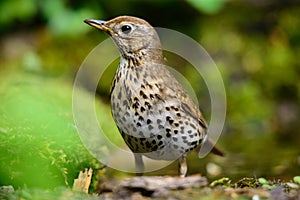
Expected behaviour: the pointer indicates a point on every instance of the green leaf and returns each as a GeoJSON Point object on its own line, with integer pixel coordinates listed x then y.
{"type": "Point", "coordinates": [263, 181]}
{"type": "Point", "coordinates": [297, 179]}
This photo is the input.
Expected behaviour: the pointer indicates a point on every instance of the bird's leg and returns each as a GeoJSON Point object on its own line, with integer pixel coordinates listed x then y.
{"type": "Point", "coordinates": [139, 164]}
{"type": "Point", "coordinates": [182, 166]}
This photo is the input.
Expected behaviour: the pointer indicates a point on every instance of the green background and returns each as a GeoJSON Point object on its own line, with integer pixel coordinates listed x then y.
{"type": "Point", "coordinates": [255, 44]}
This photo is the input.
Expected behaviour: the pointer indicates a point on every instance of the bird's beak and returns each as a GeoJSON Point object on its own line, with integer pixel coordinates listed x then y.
{"type": "Point", "coordinates": [101, 25]}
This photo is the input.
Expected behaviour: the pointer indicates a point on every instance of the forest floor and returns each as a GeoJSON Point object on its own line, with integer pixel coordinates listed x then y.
{"type": "Point", "coordinates": [167, 187]}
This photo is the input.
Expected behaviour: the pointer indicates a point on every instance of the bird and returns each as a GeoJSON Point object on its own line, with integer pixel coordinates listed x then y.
{"type": "Point", "coordinates": [154, 114]}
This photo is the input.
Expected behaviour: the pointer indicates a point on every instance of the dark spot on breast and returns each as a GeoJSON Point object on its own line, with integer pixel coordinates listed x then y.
{"type": "Point", "coordinates": [158, 97]}
{"type": "Point", "coordinates": [151, 96]}
{"type": "Point", "coordinates": [176, 124]}
{"type": "Point", "coordinates": [136, 105]}
{"type": "Point", "coordinates": [175, 131]}
{"type": "Point", "coordinates": [175, 139]}
{"type": "Point", "coordinates": [168, 135]}
{"type": "Point", "coordinates": [193, 126]}
{"type": "Point", "coordinates": [148, 145]}
{"type": "Point", "coordinates": [142, 109]}
{"type": "Point", "coordinates": [154, 148]}
{"type": "Point", "coordinates": [139, 124]}
{"type": "Point", "coordinates": [160, 126]}
{"type": "Point", "coordinates": [150, 127]}
{"type": "Point", "coordinates": [158, 121]}
{"type": "Point", "coordinates": [149, 121]}
{"type": "Point", "coordinates": [159, 137]}
{"type": "Point", "coordinates": [170, 120]}
{"type": "Point", "coordinates": [178, 114]}
{"type": "Point", "coordinates": [160, 143]}
{"type": "Point", "coordinates": [168, 108]}
{"type": "Point", "coordinates": [141, 118]}
{"type": "Point", "coordinates": [148, 105]}
{"type": "Point", "coordinates": [143, 94]}
{"type": "Point", "coordinates": [141, 134]}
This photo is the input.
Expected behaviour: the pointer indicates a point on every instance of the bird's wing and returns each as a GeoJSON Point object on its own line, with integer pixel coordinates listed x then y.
{"type": "Point", "coordinates": [187, 104]}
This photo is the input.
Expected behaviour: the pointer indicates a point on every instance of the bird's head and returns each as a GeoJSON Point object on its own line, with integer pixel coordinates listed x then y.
{"type": "Point", "coordinates": [131, 34]}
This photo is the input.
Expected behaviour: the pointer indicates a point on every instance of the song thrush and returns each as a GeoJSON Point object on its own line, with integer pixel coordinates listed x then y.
{"type": "Point", "coordinates": [154, 114]}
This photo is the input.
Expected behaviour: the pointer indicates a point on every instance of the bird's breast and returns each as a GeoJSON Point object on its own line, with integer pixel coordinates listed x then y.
{"type": "Point", "coordinates": [151, 118]}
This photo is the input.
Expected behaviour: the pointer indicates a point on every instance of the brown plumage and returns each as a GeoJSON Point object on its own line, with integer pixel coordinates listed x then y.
{"type": "Point", "coordinates": [154, 114]}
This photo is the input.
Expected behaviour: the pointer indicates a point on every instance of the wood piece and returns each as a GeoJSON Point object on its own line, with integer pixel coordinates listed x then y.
{"type": "Point", "coordinates": [82, 183]}
{"type": "Point", "coordinates": [154, 186]}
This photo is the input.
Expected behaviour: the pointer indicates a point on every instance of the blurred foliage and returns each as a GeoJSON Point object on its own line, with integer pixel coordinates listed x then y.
{"type": "Point", "coordinates": [60, 193]}
{"type": "Point", "coordinates": [207, 6]}
{"type": "Point", "coordinates": [255, 45]}
{"type": "Point", "coordinates": [59, 17]}
{"type": "Point", "coordinates": [39, 142]}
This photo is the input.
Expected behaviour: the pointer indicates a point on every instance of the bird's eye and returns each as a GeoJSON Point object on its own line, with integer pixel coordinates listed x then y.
{"type": "Point", "coordinates": [126, 29]}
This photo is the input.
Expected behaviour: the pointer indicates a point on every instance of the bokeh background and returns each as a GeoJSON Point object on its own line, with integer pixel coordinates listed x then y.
{"type": "Point", "coordinates": [255, 44]}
